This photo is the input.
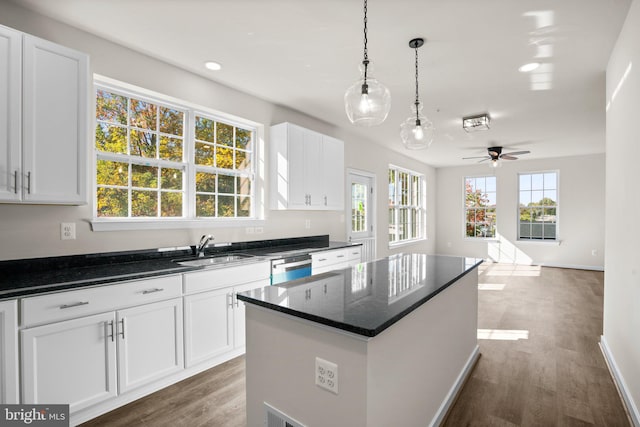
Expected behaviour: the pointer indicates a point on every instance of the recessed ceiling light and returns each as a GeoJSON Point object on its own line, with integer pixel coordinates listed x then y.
{"type": "Point", "coordinates": [212, 65]}
{"type": "Point", "coordinates": [529, 67]}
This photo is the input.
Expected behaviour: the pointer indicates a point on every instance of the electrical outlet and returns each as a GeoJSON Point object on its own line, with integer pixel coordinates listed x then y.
{"type": "Point", "coordinates": [249, 230]}
{"type": "Point", "coordinates": [327, 375]}
{"type": "Point", "coordinates": [259, 230]}
{"type": "Point", "coordinates": [594, 252]}
{"type": "Point", "coordinates": [67, 231]}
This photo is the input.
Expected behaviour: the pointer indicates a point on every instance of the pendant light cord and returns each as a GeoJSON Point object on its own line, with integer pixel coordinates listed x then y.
{"type": "Point", "coordinates": [417, 97]}
{"type": "Point", "coordinates": [365, 61]}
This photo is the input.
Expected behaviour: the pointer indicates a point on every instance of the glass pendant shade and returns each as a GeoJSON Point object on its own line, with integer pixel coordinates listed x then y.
{"type": "Point", "coordinates": [367, 102]}
{"type": "Point", "coordinates": [417, 131]}
{"type": "Point", "coordinates": [495, 164]}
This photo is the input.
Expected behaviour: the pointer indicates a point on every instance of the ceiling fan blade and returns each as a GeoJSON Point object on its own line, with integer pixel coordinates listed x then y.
{"type": "Point", "coordinates": [477, 157]}
{"type": "Point", "coordinates": [517, 153]}
{"type": "Point", "coordinates": [508, 157]}
{"type": "Point", "coordinates": [485, 159]}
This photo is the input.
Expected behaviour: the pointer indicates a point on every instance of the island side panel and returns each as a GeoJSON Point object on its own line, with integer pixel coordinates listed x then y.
{"type": "Point", "coordinates": [413, 366]}
{"type": "Point", "coordinates": [280, 366]}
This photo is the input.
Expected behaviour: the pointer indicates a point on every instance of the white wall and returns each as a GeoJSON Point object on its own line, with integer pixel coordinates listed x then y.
{"type": "Point", "coordinates": [28, 231]}
{"type": "Point", "coordinates": [581, 213]}
{"type": "Point", "coordinates": [621, 337]}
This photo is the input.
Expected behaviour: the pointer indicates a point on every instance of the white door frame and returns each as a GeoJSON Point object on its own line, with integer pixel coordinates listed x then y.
{"type": "Point", "coordinates": [372, 217]}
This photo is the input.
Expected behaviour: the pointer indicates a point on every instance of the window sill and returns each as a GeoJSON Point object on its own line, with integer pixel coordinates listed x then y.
{"type": "Point", "coordinates": [167, 224]}
{"type": "Point", "coordinates": [539, 242]}
{"type": "Point", "coordinates": [406, 243]}
{"type": "Point", "coordinates": [481, 239]}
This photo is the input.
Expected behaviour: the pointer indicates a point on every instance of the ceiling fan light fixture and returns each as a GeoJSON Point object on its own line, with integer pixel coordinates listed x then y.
{"type": "Point", "coordinates": [476, 123]}
{"type": "Point", "coordinates": [417, 131]}
{"type": "Point", "coordinates": [367, 102]}
{"type": "Point", "coordinates": [495, 163]}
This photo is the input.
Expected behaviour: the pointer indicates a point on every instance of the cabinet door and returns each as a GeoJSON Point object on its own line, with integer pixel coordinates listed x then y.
{"type": "Point", "coordinates": [10, 113]}
{"type": "Point", "coordinates": [297, 194]}
{"type": "Point", "coordinates": [149, 343]}
{"type": "Point", "coordinates": [313, 167]}
{"type": "Point", "coordinates": [239, 311]}
{"type": "Point", "coordinates": [333, 173]}
{"type": "Point", "coordinates": [55, 131]}
{"type": "Point", "coordinates": [208, 325]}
{"type": "Point", "coordinates": [69, 362]}
{"type": "Point", "coordinates": [9, 352]}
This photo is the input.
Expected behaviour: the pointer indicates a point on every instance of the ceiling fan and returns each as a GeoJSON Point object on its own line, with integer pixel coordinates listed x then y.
{"type": "Point", "coordinates": [495, 154]}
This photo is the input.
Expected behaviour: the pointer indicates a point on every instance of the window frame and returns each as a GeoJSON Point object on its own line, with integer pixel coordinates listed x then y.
{"type": "Point", "coordinates": [188, 220]}
{"type": "Point", "coordinates": [464, 209]}
{"type": "Point", "coordinates": [556, 240]}
{"type": "Point", "coordinates": [422, 207]}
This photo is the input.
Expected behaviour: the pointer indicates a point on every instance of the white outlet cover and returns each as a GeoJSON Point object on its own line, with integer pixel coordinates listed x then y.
{"type": "Point", "coordinates": [67, 231]}
{"type": "Point", "coordinates": [326, 374]}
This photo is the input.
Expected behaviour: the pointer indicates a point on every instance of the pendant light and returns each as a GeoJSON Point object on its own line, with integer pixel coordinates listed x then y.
{"type": "Point", "coordinates": [367, 102]}
{"type": "Point", "coordinates": [417, 131]}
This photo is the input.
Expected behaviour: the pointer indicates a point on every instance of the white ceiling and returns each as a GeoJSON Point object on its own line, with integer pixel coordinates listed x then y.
{"type": "Point", "coordinates": [305, 53]}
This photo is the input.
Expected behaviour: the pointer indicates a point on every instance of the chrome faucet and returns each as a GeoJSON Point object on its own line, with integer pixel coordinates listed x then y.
{"type": "Point", "coordinates": [204, 241]}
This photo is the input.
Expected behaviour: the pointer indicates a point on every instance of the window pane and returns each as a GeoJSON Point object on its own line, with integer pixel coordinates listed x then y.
{"type": "Point", "coordinates": [112, 173]}
{"type": "Point", "coordinates": [490, 199]}
{"type": "Point", "coordinates": [112, 202]}
{"type": "Point", "coordinates": [204, 154]}
{"type": "Point", "coordinates": [549, 231]}
{"type": "Point", "coordinates": [226, 206]}
{"type": "Point", "coordinates": [144, 176]}
{"type": "Point", "coordinates": [143, 144]}
{"type": "Point", "coordinates": [392, 225]}
{"type": "Point", "coordinates": [470, 230]}
{"type": "Point", "coordinates": [243, 186]}
{"type": "Point", "coordinates": [481, 185]}
{"type": "Point", "coordinates": [491, 183]}
{"type": "Point", "coordinates": [205, 205]}
{"type": "Point", "coordinates": [392, 187]}
{"type": "Point", "coordinates": [550, 215]}
{"type": "Point", "coordinates": [224, 134]}
{"type": "Point", "coordinates": [224, 158]}
{"type": "Point", "coordinates": [525, 215]}
{"type": "Point", "coordinates": [111, 139]}
{"type": "Point", "coordinates": [525, 182]}
{"type": "Point", "coordinates": [205, 129]}
{"type": "Point", "coordinates": [171, 121]}
{"type": "Point", "coordinates": [536, 230]}
{"type": "Point", "coordinates": [525, 198]}
{"type": "Point", "coordinates": [144, 203]}
{"type": "Point", "coordinates": [205, 182]}
{"type": "Point", "coordinates": [171, 179]}
{"type": "Point", "coordinates": [243, 139]}
{"type": "Point", "coordinates": [550, 181]}
{"type": "Point", "coordinates": [536, 197]}
{"type": "Point", "coordinates": [244, 206]}
{"type": "Point", "coordinates": [171, 148]}
{"type": "Point", "coordinates": [550, 197]}
{"type": "Point", "coordinates": [226, 184]}
{"type": "Point", "coordinates": [171, 204]}
{"type": "Point", "coordinates": [404, 188]}
{"type": "Point", "coordinates": [358, 204]}
{"type": "Point", "coordinates": [111, 107]}
{"type": "Point", "coordinates": [243, 160]}
{"type": "Point", "coordinates": [525, 231]}
{"type": "Point", "coordinates": [143, 115]}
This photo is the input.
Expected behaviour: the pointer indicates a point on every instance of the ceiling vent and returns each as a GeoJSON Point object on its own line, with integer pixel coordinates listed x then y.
{"type": "Point", "coordinates": [476, 123]}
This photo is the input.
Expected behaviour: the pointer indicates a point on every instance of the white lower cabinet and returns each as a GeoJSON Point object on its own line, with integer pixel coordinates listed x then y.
{"type": "Point", "coordinates": [335, 259]}
{"type": "Point", "coordinates": [9, 352]}
{"type": "Point", "coordinates": [214, 319]}
{"type": "Point", "coordinates": [149, 343]}
{"type": "Point", "coordinates": [70, 362]}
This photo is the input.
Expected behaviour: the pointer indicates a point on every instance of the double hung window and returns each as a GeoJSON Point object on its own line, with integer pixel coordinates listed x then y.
{"type": "Point", "coordinates": [538, 206]}
{"type": "Point", "coordinates": [161, 160]}
{"type": "Point", "coordinates": [407, 205]}
{"type": "Point", "coordinates": [480, 206]}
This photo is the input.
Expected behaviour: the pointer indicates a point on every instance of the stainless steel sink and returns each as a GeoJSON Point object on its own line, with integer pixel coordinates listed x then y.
{"type": "Point", "coordinates": [213, 260]}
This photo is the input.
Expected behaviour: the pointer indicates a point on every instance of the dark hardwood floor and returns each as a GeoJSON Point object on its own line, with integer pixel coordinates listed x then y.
{"type": "Point", "coordinates": [541, 364]}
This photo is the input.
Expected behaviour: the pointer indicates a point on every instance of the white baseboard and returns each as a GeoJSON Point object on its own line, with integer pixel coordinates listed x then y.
{"type": "Point", "coordinates": [455, 389]}
{"type": "Point", "coordinates": [574, 266]}
{"type": "Point", "coordinates": [631, 407]}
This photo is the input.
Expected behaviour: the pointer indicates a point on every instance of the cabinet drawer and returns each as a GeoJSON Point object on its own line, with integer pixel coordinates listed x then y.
{"type": "Point", "coordinates": [69, 304]}
{"type": "Point", "coordinates": [223, 277]}
{"type": "Point", "coordinates": [321, 259]}
{"type": "Point", "coordinates": [354, 253]}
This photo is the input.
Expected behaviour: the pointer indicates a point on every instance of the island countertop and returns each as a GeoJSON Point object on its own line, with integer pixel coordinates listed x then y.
{"type": "Point", "coordinates": [368, 298]}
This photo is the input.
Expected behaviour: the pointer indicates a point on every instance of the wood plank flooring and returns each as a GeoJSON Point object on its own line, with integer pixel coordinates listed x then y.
{"type": "Point", "coordinates": [552, 375]}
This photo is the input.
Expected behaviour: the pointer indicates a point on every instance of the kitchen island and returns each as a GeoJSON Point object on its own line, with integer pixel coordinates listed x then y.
{"type": "Point", "coordinates": [384, 343]}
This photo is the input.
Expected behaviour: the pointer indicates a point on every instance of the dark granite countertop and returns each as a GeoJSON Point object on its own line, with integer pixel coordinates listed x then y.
{"type": "Point", "coordinates": [40, 275]}
{"type": "Point", "coordinates": [369, 297]}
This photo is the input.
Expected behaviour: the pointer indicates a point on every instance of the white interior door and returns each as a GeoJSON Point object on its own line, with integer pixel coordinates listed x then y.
{"type": "Point", "coordinates": [361, 204]}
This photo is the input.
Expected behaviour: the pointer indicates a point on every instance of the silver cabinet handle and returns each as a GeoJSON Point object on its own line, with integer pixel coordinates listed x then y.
{"type": "Point", "coordinates": [29, 182]}
{"type": "Point", "coordinates": [321, 259]}
{"type": "Point", "coordinates": [75, 304]}
{"type": "Point", "coordinates": [230, 299]}
{"type": "Point", "coordinates": [15, 178]}
{"type": "Point", "coordinates": [122, 321]}
{"type": "Point", "coordinates": [112, 335]}
{"type": "Point", "coordinates": [150, 291]}
{"type": "Point", "coordinates": [340, 256]}
{"type": "Point", "coordinates": [235, 297]}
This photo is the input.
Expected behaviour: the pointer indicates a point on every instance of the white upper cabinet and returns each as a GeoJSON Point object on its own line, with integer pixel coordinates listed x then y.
{"type": "Point", "coordinates": [44, 103]}
{"type": "Point", "coordinates": [307, 169]}
{"type": "Point", "coordinates": [10, 109]}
